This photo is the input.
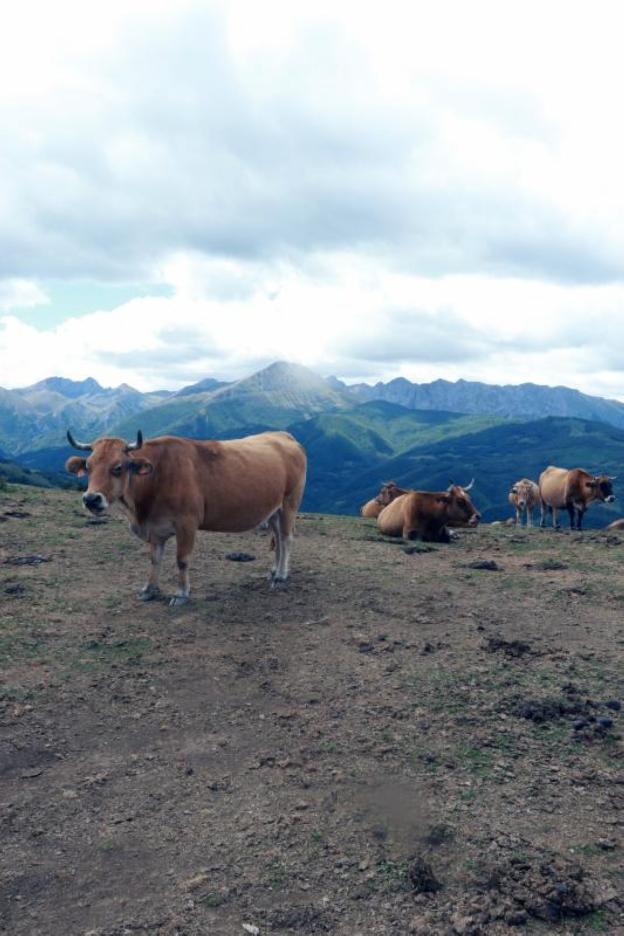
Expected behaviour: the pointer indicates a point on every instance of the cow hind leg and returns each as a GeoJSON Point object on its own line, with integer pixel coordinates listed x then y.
{"type": "Point", "coordinates": [555, 517]}
{"type": "Point", "coordinates": [185, 540]}
{"type": "Point", "coordinates": [276, 542]}
{"type": "Point", "coordinates": [286, 524]}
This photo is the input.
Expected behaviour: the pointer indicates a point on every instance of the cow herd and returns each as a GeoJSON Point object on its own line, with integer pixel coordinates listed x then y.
{"type": "Point", "coordinates": [173, 487]}
{"type": "Point", "coordinates": [427, 515]}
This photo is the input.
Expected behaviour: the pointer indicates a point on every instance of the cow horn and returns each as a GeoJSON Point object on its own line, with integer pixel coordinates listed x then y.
{"type": "Point", "coordinates": [131, 446]}
{"type": "Point", "coordinates": [470, 486]}
{"type": "Point", "coordinates": [81, 446]}
{"type": "Point", "coordinates": [612, 477]}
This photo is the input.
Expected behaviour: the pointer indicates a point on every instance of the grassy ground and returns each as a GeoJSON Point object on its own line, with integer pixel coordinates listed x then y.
{"type": "Point", "coordinates": [395, 744]}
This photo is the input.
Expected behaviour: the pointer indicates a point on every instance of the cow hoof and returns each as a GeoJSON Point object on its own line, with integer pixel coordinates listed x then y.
{"type": "Point", "coordinates": [178, 600]}
{"type": "Point", "coordinates": [149, 593]}
{"type": "Point", "coordinates": [279, 584]}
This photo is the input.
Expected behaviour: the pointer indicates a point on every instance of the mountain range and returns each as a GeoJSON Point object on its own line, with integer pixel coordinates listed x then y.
{"type": "Point", "coordinates": [421, 435]}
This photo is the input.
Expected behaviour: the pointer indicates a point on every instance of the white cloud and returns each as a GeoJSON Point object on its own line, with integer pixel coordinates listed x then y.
{"type": "Point", "coordinates": [338, 316]}
{"type": "Point", "coordinates": [427, 189]}
{"type": "Point", "coordinates": [20, 294]}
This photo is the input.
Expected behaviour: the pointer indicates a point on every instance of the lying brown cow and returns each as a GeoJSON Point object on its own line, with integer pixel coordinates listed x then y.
{"type": "Point", "coordinates": [574, 490]}
{"type": "Point", "coordinates": [389, 491]}
{"type": "Point", "coordinates": [525, 497]}
{"type": "Point", "coordinates": [174, 487]}
{"type": "Point", "coordinates": [427, 515]}
{"type": "Point", "coordinates": [616, 525]}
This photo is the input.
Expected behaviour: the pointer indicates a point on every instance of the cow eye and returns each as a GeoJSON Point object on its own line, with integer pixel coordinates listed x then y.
{"type": "Point", "coordinates": [117, 470]}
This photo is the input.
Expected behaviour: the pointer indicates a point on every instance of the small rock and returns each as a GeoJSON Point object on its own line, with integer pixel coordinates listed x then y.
{"type": "Point", "coordinates": [614, 704]}
{"type": "Point", "coordinates": [239, 557]}
{"type": "Point", "coordinates": [422, 878]}
{"type": "Point", "coordinates": [487, 565]}
{"type": "Point", "coordinates": [251, 929]}
{"type": "Point", "coordinates": [27, 560]}
{"type": "Point", "coordinates": [604, 722]}
{"type": "Point", "coordinates": [606, 844]}
{"type": "Point", "coordinates": [14, 589]}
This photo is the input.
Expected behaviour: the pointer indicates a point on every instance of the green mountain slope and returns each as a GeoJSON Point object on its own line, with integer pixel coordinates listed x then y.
{"type": "Point", "coordinates": [270, 399]}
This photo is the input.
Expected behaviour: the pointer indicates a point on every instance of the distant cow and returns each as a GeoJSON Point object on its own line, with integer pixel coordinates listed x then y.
{"type": "Point", "coordinates": [574, 490]}
{"type": "Point", "coordinates": [524, 496]}
{"type": "Point", "coordinates": [427, 515]}
{"type": "Point", "coordinates": [616, 525]}
{"type": "Point", "coordinates": [170, 486]}
{"type": "Point", "coordinates": [389, 491]}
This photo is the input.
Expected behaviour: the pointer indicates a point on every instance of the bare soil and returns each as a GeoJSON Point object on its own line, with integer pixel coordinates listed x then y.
{"type": "Point", "coordinates": [397, 743]}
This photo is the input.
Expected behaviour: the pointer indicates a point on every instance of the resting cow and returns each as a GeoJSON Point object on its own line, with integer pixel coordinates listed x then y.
{"type": "Point", "coordinates": [525, 497]}
{"type": "Point", "coordinates": [574, 490]}
{"type": "Point", "coordinates": [616, 525]}
{"type": "Point", "coordinates": [389, 491]}
{"type": "Point", "coordinates": [427, 514]}
{"type": "Point", "coordinates": [174, 487]}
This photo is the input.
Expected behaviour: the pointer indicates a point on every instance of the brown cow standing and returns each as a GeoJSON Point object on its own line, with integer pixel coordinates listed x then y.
{"type": "Point", "coordinates": [389, 491]}
{"type": "Point", "coordinates": [573, 489]}
{"type": "Point", "coordinates": [427, 514]}
{"type": "Point", "coordinates": [524, 496]}
{"type": "Point", "coordinates": [170, 486]}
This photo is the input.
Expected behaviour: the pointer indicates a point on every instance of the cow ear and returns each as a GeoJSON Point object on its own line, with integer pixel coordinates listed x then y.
{"type": "Point", "coordinates": [76, 465]}
{"type": "Point", "coordinates": [140, 466]}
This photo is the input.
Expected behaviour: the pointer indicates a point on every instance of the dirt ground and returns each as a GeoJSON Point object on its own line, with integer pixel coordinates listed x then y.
{"type": "Point", "coordinates": [396, 744]}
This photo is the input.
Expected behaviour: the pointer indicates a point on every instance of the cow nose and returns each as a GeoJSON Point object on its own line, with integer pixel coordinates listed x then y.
{"type": "Point", "coordinates": [93, 501]}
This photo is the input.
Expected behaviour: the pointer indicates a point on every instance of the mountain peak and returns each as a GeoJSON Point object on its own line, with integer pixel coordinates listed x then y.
{"type": "Point", "coordinates": [68, 388]}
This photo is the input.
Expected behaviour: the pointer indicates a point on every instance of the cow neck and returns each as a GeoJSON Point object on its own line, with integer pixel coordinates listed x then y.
{"type": "Point", "coordinates": [127, 501]}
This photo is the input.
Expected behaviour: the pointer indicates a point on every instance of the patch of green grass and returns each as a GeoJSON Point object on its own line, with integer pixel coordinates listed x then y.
{"type": "Point", "coordinates": [277, 875]}
{"type": "Point", "coordinates": [597, 922]}
{"type": "Point", "coordinates": [587, 849]}
{"type": "Point", "coordinates": [129, 652]}
{"type": "Point", "coordinates": [16, 694]}
{"type": "Point", "coordinates": [212, 899]}
{"type": "Point", "coordinates": [468, 795]}
{"type": "Point", "coordinates": [474, 759]}
{"type": "Point", "coordinates": [393, 874]}
{"type": "Point", "coordinates": [14, 648]}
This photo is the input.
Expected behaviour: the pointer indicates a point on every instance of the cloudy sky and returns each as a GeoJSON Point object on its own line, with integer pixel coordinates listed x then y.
{"type": "Point", "coordinates": [200, 188]}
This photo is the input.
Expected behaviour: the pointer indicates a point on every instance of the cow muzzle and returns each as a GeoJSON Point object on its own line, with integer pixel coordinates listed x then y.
{"type": "Point", "coordinates": [96, 503]}
{"type": "Point", "coordinates": [474, 520]}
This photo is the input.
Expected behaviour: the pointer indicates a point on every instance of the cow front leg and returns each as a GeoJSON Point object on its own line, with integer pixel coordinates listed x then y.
{"type": "Point", "coordinates": [151, 589]}
{"type": "Point", "coordinates": [580, 513]}
{"type": "Point", "coordinates": [185, 540]}
{"type": "Point", "coordinates": [529, 516]}
{"type": "Point", "coordinates": [572, 514]}
{"type": "Point", "coordinates": [518, 517]}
